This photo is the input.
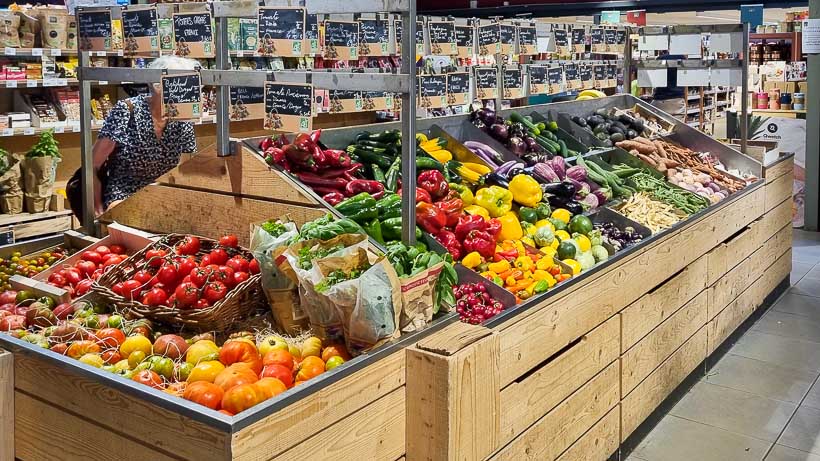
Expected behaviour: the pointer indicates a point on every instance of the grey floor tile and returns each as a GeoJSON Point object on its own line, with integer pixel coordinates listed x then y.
{"type": "Point", "coordinates": [800, 270]}
{"type": "Point", "coordinates": [781, 453]}
{"type": "Point", "coordinates": [677, 439]}
{"type": "Point", "coordinates": [807, 286]}
{"type": "Point", "coordinates": [806, 235]}
{"type": "Point", "coordinates": [761, 378]}
{"type": "Point", "coordinates": [803, 431]}
{"type": "Point", "coordinates": [812, 398]}
{"type": "Point", "coordinates": [802, 305]}
{"type": "Point", "coordinates": [735, 411]}
{"type": "Point", "coordinates": [789, 325]}
{"type": "Point", "coordinates": [812, 273]}
{"type": "Point", "coordinates": [779, 350]}
{"type": "Point", "coordinates": [805, 254]}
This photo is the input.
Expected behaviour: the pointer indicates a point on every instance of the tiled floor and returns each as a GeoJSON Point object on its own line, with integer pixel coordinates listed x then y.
{"type": "Point", "coordinates": [762, 400]}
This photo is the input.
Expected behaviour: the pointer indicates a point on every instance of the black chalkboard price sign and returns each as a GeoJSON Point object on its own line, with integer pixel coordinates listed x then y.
{"type": "Point", "coordinates": [599, 74]}
{"type": "Point", "coordinates": [585, 73]}
{"type": "Point", "coordinates": [465, 41]}
{"type": "Point", "coordinates": [507, 38]}
{"type": "Point", "coordinates": [572, 77]}
{"type": "Point", "coordinates": [280, 31]}
{"type": "Point", "coordinates": [419, 37]}
{"type": "Point", "coordinates": [561, 41]}
{"type": "Point", "coordinates": [181, 96]}
{"type": "Point", "coordinates": [442, 38]}
{"type": "Point", "coordinates": [432, 91]}
{"type": "Point", "coordinates": [539, 84]}
{"type": "Point", "coordinates": [555, 77]}
{"type": "Point", "coordinates": [193, 35]}
{"type": "Point", "coordinates": [458, 88]}
{"type": "Point", "coordinates": [341, 40]}
{"type": "Point", "coordinates": [377, 100]}
{"type": "Point", "coordinates": [343, 101]}
{"type": "Point", "coordinates": [610, 37]}
{"type": "Point", "coordinates": [597, 40]}
{"type": "Point", "coordinates": [527, 42]}
{"type": "Point", "coordinates": [288, 107]}
{"type": "Point", "coordinates": [612, 75]}
{"type": "Point", "coordinates": [620, 37]}
{"type": "Point", "coordinates": [489, 39]}
{"type": "Point", "coordinates": [247, 103]}
{"type": "Point", "coordinates": [94, 30]}
{"type": "Point", "coordinates": [578, 40]}
{"type": "Point", "coordinates": [374, 37]}
{"type": "Point", "coordinates": [513, 84]}
{"type": "Point", "coordinates": [312, 34]}
{"type": "Point", "coordinates": [139, 28]}
{"type": "Point", "coordinates": [486, 82]}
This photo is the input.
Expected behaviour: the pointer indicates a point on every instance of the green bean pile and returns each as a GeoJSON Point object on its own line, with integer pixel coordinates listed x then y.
{"type": "Point", "coordinates": [658, 189]}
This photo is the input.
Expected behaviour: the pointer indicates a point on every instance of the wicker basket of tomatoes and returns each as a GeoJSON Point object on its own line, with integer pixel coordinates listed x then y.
{"type": "Point", "coordinates": [186, 280]}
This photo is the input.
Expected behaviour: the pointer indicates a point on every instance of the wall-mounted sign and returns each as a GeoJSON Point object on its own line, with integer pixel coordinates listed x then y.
{"type": "Point", "coordinates": [562, 46]}
{"type": "Point", "coordinates": [507, 38]}
{"type": "Point", "coordinates": [281, 31]}
{"type": "Point", "coordinates": [343, 101]}
{"type": "Point", "coordinates": [513, 84]}
{"type": "Point", "coordinates": [341, 40]}
{"type": "Point", "coordinates": [139, 29]}
{"type": "Point", "coordinates": [181, 96]}
{"type": "Point", "coordinates": [486, 82]}
{"type": "Point", "coordinates": [193, 36]}
{"type": "Point", "coordinates": [94, 29]}
{"type": "Point", "coordinates": [539, 84]}
{"type": "Point", "coordinates": [599, 75]}
{"type": "Point", "coordinates": [377, 100]}
{"type": "Point", "coordinates": [611, 39]}
{"type": "Point", "coordinates": [247, 103]}
{"type": "Point", "coordinates": [555, 77]}
{"type": "Point", "coordinates": [571, 77]}
{"type": "Point", "coordinates": [489, 40]}
{"type": "Point", "coordinates": [419, 38]}
{"type": "Point", "coordinates": [442, 38]}
{"type": "Point", "coordinates": [527, 41]}
{"type": "Point", "coordinates": [288, 107]}
{"type": "Point", "coordinates": [374, 36]}
{"type": "Point", "coordinates": [579, 40]}
{"type": "Point", "coordinates": [312, 34]}
{"type": "Point", "coordinates": [465, 41]}
{"type": "Point", "coordinates": [585, 74]}
{"type": "Point", "coordinates": [458, 88]}
{"type": "Point", "coordinates": [612, 75]}
{"type": "Point", "coordinates": [432, 91]}
{"type": "Point", "coordinates": [597, 40]}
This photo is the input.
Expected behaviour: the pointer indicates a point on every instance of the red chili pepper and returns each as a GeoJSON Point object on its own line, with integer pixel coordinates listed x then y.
{"type": "Point", "coordinates": [435, 183]}
{"type": "Point", "coordinates": [311, 179]}
{"type": "Point", "coordinates": [430, 218]}
{"type": "Point", "coordinates": [469, 223]}
{"type": "Point", "coordinates": [451, 209]}
{"type": "Point", "coordinates": [318, 156]}
{"type": "Point", "coordinates": [337, 158]}
{"type": "Point", "coordinates": [324, 190]}
{"type": "Point", "coordinates": [314, 137]}
{"type": "Point", "coordinates": [358, 186]}
{"type": "Point", "coordinates": [281, 141]}
{"type": "Point", "coordinates": [298, 156]}
{"type": "Point", "coordinates": [266, 144]}
{"type": "Point", "coordinates": [333, 198]}
{"type": "Point", "coordinates": [341, 172]}
{"type": "Point", "coordinates": [481, 242]}
{"type": "Point", "coordinates": [451, 243]}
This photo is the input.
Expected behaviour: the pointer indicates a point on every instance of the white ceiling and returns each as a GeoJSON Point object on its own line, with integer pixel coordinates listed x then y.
{"type": "Point", "coordinates": [770, 15]}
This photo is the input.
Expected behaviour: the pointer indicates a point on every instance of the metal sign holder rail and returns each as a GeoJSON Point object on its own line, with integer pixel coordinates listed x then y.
{"type": "Point", "coordinates": [222, 77]}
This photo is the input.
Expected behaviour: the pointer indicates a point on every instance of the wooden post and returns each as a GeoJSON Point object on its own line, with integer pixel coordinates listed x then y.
{"type": "Point", "coordinates": [453, 400]}
{"type": "Point", "coordinates": [6, 406]}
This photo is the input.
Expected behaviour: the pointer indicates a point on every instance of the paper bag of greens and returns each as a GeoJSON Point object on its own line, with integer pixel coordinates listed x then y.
{"type": "Point", "coordinates": [11, 184]}
{"type": "Point", "coordinates": [38, 173]}
{"type": "Point", "coordinates": [268, 240]}
{"type": "Point", "coordinates": [374, 319]}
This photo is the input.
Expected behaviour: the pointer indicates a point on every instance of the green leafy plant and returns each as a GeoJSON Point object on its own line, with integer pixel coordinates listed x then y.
{"type": "Point", "coordinates": [46, 146]}
{"type": "Point", "coordinates": [755, 127]}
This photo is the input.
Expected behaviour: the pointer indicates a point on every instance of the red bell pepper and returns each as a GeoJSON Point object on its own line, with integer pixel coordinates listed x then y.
{"type": "Point", "coordinates": [452, 210]}
{"type": "Point", "coordinates": [333, 198]}
{"type": "Point", "coordinates": [494, 228]}
{"type": "Point", "coordinates": [357, 186]}
{"type": "Point", "coordinates": [430, 218]}
{"type": "Point", "coordinates": [481, 242]}
{"type": "Point", "coordinates": [266, 144]}
{"type": "Point", "coordinates": [435, 183]}
{"type": "Point", "coordinates": [451, 243]}
{"type": "Point", "coordinates": [467, 224]}
{"type": "Point", "coordinates": [423, 196]}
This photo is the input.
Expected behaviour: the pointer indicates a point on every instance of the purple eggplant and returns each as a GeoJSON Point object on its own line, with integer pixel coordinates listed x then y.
{"type": "Point", "coordinates": [517, 146]}
{"type": "Point", "coordinates": [590, 202]}
{"type": "Point", "coordinates": [545, 173]}
{"type": "Point", "coordinates": [558, 166]}
{"type": "Point", "coordinates": [499, 131]}
{"type": "Point", "coordinates": [578, 173]}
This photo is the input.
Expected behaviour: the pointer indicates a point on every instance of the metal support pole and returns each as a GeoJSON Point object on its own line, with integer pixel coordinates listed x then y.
{"type": "Point", "coordinates": [627, 63]}
{"type": "Point", "coordinates": [499, 81]}
{"type": "Point", "coordinates": [812, 166]}
{"type": "Point", "coordinates": [86, 145]}
{"type": "Point", "coordinates": [223, 93]}
{"type": "Point", "coordinates": [744, 103]}
{"type": "Point", "coordinates": [408, 126]}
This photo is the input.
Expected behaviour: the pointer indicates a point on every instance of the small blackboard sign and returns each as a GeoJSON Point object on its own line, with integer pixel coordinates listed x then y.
{"type": "Point", "coordinates": [578, 40]}
{"type": "Point", "coordinates": [341, 40]}
{"type": "Point", "coordinates": [486, 82]}
{"type": "Point", "coordinates": [375, 37]}
{"type": "Point", "coordinates": [458, 88]}
{"type": "Point", "coordinates": [247, 103]}
{"type": "Point", "coordinates": [465, 40]}
{"type": "Point", "coordinates": [399, 30]}
{"type": "Point", "coordinates": [377, 100]}
{"type": "Point", "coordinates": [612, 71]}
{"type": "Point", "coordinates": [572, 77]}
{"type": "Point", "coordinates": [6, 236]}
{"type": "Point", "coordinates": [94, 29]}
{"type": "Point", "coordinates": [561, 39]}
{"type": "Point", "coordinates": [442, 38]}
{"type": "Point", "coordinates": [342, 101]}
{"type": "Point", "coordinates": [280, 31]}
{"type": "Point", "coordinates": [312, 34]}
{"type": "Point", "coordinates": [513, 84]}
{"type": "Point", "coordinates": [620, 36]}
{"type": "Point", "coordinates": [432, 91]}
{"type": "Point", "coordinates": [507, 38]}
{"type": "Point", "coordinates": [597, 40]}
{"type": "Point", "coordinates": [489, 40]}
{"type": "Point", "coordinates": [611, 36]}
{"type": "Point", "coordinates": [288, 107]}
{"type": "Point", "coordinates": [539, 84]}
{"type": "Point", "coordinates": [527, 42]}
{"type": "Point", "coordinates": [555, 76]}
{"type": "Point", "coordinates": [139, 26]}
{"type": "Point", "coordinates": [193, 35]}
{"type": "Point", "coordinates": [585, 73]}
{"type": "Point", "coordinates": [419, 37]}
{"type": "Point", "coordinates": [181, 96]}
{"type": "Point", "coordinates": [599, 72]}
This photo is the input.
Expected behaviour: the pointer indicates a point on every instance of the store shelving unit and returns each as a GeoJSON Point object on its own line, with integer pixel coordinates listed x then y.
{"type": "Point", "coordinates": [794, 37]}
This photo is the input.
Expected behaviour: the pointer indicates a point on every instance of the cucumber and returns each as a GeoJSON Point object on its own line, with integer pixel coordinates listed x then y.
{"type": "Point", "coordinates": [371, 155]}
{"type": "Point", "coordinates": [425, 163]}
{"type": "Point", "coordinates": [392, 176]}
{"type": "Point", "coordinates": [378, 174]}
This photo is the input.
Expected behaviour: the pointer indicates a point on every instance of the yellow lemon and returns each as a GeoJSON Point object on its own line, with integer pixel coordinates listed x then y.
{"type": "Point", "coordinates": [575, 265]}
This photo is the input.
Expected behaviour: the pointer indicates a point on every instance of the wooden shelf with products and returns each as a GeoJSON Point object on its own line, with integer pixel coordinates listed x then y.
{"type": "Point", "coordinates": [794, 37]}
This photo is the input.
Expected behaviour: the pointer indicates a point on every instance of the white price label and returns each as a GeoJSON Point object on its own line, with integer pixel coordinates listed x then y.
{"type": "Point", "coordinates": [11, 84]}
{"type": "Point", "coordinates": [28, 131]}
{"type": "Point", "coordinates": [103, 82]}
{"type": "Point", "coordinates": [9, 51]}
{"type": "Point", "coordinates": [76, 128]}
{"type": "Point", "coordinates": [56, 52]}
{"type": "Point", "coordinates": [59, 129]}
{"type": "Point", "coordinates": [8, 131]}
{"type": "Point", "coordinates": [31, 83]}
{"type": "Point", "coordinates": [239, 54]}
{"type": "Point", "coordinates": [120, 53]}
{"type": "Point", "coordinates": [36, 51]}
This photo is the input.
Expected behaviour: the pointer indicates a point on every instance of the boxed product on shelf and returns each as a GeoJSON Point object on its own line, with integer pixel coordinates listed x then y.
{"type": "Point", "coordinates": [34, 71]}
{"type": "Point", "coordinates": [19, 120]}
{"type": "Point", "coordinates": [13, 73]}
{"type": "Point", "coordinates": [42, 113]}
{"type": "Point", "coordinates": [234, 35]}
{"type": "Point", "coordinates": [248, 31]}
{"type": "Point", "coordinates": [68, 101]}
{"type": "Point", "coordinates": [4, 121]}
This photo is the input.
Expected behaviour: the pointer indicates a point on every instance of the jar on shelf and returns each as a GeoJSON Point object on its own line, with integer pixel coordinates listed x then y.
{"type": "Point", "coordinates": [762, 100]}
{"type": "Point", "coordinates": [799, 101]}
{"type": "Point", "coordinates": [785, 101]}
{"type": "Point", "coordinates": [774, 99]}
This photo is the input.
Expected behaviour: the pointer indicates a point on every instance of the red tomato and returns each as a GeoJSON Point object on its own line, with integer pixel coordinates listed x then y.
{"type": "Point", "coordinates": [12, 322]}
{"type": "Point", "coordinates": [61, 311]}
{"type": "Point", "coordinates": [187, 295]}
{"type": "Point", "coordinates": [149, 378]}
{"type": "Point", "coordinates": [187, 278]}
{"type": "Point", "coordinates": [238, 264]}
{"type": "Point", "coordinates": [172, 300]}
{"type": "Point", "coordinates": [199, 276]}
{"type": "Point", "coordinates": [103, 250]}
{"type": "Point", "coordinates": [155, 258]}
{"type": "Point", "coordinates": [241, 352]}
{"type": "Point", "coordinates": [111, 356]}
{"type": "Point", "coordinates": [57, 280]}
{"type": "Point", "coordinates": [253, 266]}
{"type": "Point", "coordinates": [239, 398]}
{"type": "Point", "coordinates": [117, 288]}
{"type": "Point", "coordinates": [186, 265]}
{"type": "Point", "coordinates": [97, 274]}
{"type": "Point", "coordinates": [202, 303]}
{"type": "Point", "coordinates": [229, 241]}
{"type": "Point", "coordinates": [204, 393]}
{"type": "Point", "coordinates": [8, 297]}
{"type": "Point", "coordinates": [73, 276]}
{"type": "Point", "coordinates": [83, 287]}
{"type": "Point", "coordinates": [92, 256]}
{"type": "Point", "coordinates": [205, 261]}
{"type": "Point", "coordinates": [86, 267]}
{"type": "Point", "coordinates": [215, 291]}
{"type": "Point", "coordinates": [224, 274]}
{"type": "Point", "coordinates": [117, 249]}
{"type": "Point", "coordinates": [8, 307]}
{"type": "Point", "coordinates": [155, 297]}
{"type": "Point", "coordinates": [188, 246]}
{"type": "Point", "coordinates": [168, 274]}
{"type": "Point", "coordinates": [113, 261]}
{"type": "Point", "coordinates": [142, 276]}
{"type": "Point", "coordinates": [131, 289]}
{"type": "Point", "coordinates": [239, 277]}
{"type": "Point", "coordinates": [279, 372]}
{"type": "Point", "coordinates": [218, 256]}
{"type": "Point", "coordinates": [110, 337]}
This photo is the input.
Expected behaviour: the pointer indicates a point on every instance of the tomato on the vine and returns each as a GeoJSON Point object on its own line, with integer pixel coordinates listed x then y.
{"type": "Point", "coordinates": [117, 249]}
{"type": "Point", "coordinates": [142, 276]}
{"type": "Point", "coordinates": [229, 241]}
{"type": "Point", "coordinates": [118, 288]}
{"type": "Point", "coordinates": [186, 265]}
{"type": "Point", "coordinates": [187, 295]}
{"type": "Point", "coordinates": [202, 303]}
{"type": "Point", "coordinates": [155, 297]}
{"type": "Point", "coordinates": [253, 266]}
{"type": "Point", "coordinates": [188, 246]}
{"type": "Point", "coordinates": [155, 257]}
{"type": "Point", "coordinates": [215, 291]}
{"type": "Point", "coordinates": [239, 277]}
{"type": "Point", "coordinates": [224, 274]}
{"type": "Point", "coordinates": [218, 256]}
{"type": "Point", "coordinates": [200, 275]}
{"type": "Point", "coordinates": [205, 261]}
{"type": "Point", "coordinates": [168, 274]}
{"type": "Point", "coordinates": [238, 264]}
{"type": "Point", "coordinates": [131, 289]}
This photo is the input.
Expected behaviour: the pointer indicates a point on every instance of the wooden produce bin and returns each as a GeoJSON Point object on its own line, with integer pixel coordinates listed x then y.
{"type": "Point", "coordinates": [573, 377]}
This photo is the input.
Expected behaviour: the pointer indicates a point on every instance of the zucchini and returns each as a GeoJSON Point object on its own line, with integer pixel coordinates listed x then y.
{"type": "Point", "coordinates": [376, 145]}
{"type": "Point", "coordinates": [378, 174]}
{"type": "Point", "coordinates": [563, 147]}
{"type": "Point", "coordinates": [371, 155]}
{"type": "Point", "coordinates": [392, 176]}
{"type": "Point", "coordinates": [518, 118]}
{"type": "Point", "coordinates": [385, 136]}
{"type": "Point", "coordinates": [426, 163]}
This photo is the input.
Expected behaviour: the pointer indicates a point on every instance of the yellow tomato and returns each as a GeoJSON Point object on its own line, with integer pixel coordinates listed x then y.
{"type": "Point", "coordinates": [562, 235]}
{"type": "Point", "coordinates": [206, 371]}
{"type": "Point", "coordinates": [553, 245]}
{"type": "Point", "coordinates": [92, 359]}
{"type": "Point", "coordinates": [575, 265]}
{"type": "Point", "coordinates": [201, 350]}
{"type": "Point", "coordinates": [561, 215]}
{"type": "Point", "coordinates": [583, 243]}
{"type": "Point", "coordinates": [135, 343]}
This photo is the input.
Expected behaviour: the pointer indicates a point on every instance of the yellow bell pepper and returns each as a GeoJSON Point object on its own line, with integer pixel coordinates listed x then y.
{"type": "Point", "coordinates": [527, 275]}
{"type": "Point", "coordinates": [511, 228]}
{"type": "Point", "coordinates": [520, 247]}
{"type": "Point", "coordinates": [477, 210]}
{"type": "Point", "coordinates": [540, 274]}
{"type": "Point", "coordinates": [544, 263]}
{"type": "Point", "coordinates": [529, 241]}
{"type": "Point", "coordinates": [464, 193]}
{"type": "Point", "coordinates": [526, 190]}
{"type": "Point", "coordinates": [472, 260]}
{"type": "Point", "coordinates": [524, 263]}
{"type": "Point", "coordinates": [549, 252]}
{"type": "Point", "coordinates": [499, 267]}
{"type": "Point", "coordinates": [496, 200]}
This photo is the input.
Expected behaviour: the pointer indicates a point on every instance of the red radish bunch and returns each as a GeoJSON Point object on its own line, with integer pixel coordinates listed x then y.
{"type": "Point", "coordinates": [182, 280]}
{"type": "Point", "coordinates": [77, 279]}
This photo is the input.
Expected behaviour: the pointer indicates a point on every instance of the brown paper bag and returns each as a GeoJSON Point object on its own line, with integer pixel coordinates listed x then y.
{"type": "Point", "coordinates": [9, 29]}
{"type": "Point", "coordinates": [29, 30]}
{"type": "Point", "coordinates": [71, 34]}
{"type": "Point", "coordinates": [417, 295]}
{"type": "Point", "coordinates": [39, 183]}
{"type": "Point", "coordinates": [11, 190]}
{"type": "Point", "coordinates": [54, 27]}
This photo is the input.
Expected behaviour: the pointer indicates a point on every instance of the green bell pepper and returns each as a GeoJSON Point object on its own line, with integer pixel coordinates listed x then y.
{"type": "Point", "coordinates": [464, 193]}
{"type": "Point", "coordinates": [374, 229]}
{"type": "Point", "coordinates": [360, 208]}
{"type": "Point", "coordinates": [389, 206]}
{"type": "Point", "coordinates": [391, 229]}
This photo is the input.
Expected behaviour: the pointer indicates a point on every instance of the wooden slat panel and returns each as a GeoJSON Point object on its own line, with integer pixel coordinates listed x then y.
{"type": "Point", "coordinates": [600, 442]}
{"type": "Point", "coordinates": [46, 432]}
{"type": "Point", "coordinates": [530, 338]}
{"type": "Point", "coordinates": [110, 408]}
{"type": "Point", "coordinates": [778, 190]}
{"type": "Point", "coordinates": [560, 428]}
{"type": "Point", "coordinates": [6, 406]}
{"type": "Point", "coordinates": [642, 316]}
{"type": "Point", "coordinates": [637, 363]}
{"type": "Point", "coordinates": [298, 421]}
{"type": "Point", "coordinates": [775, 274]}
{"type": "Point", "coordinates": [42, 227]}
{"type": "Point", "coordinates": [453, 402]}
{"type": "Point", "coordinates": [778, 244]}
{"type": "Point", "coordinates": [723, 258]}
{"type": "Point", "coordinates": [642, 401]}
{"type": "Point", "coordinates": [731, 285]}
{"type": "Point", "coordinates": [524, 402]}
{"type": "Point", "coordinates": [775, 219]}
{"type": "Point", "coordinates": [375, 432]}
{"type": "Point", "coordinates": [167, 209]}
{"type": "Point", "coordinates": [779, 169]}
